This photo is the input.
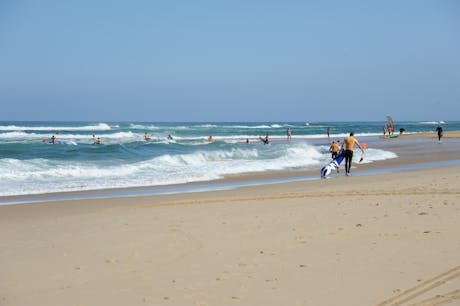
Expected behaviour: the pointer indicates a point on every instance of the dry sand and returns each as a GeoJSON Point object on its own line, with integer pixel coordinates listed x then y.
{"type": "Point", "coordinates": [389, 239]}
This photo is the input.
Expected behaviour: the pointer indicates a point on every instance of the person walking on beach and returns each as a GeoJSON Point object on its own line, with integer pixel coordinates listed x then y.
{"type": "Point", "coordinates": [349, 144]}
{"type": "Point", "coordinates": [439, 130]}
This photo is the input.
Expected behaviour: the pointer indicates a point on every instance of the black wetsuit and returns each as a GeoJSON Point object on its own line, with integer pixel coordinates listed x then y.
{"type": "Point", "coordinates": [439, 130]}
{"type": "Point", "coordinates": [264, 140]}
{"type": "Point", "coordinates": [348, 158]}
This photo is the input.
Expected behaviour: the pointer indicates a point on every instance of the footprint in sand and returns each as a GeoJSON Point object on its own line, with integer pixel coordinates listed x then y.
{"type": "Point", "coordinates": [303, 266]}
{"type": "Point", "coordinates": [408, 295]}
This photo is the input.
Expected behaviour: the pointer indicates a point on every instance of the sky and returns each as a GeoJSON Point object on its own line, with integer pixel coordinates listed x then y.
{"type": "Point", "coordinates": [212, 60]}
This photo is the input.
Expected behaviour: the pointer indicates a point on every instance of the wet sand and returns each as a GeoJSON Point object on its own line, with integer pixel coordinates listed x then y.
{"type": "Point", "coordinates": [445, 134]}
{"type": "Point", "coordinates": [382, 239]}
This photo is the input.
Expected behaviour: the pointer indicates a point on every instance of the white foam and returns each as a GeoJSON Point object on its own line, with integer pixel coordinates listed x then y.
{"type": "Point", "coordinates": [128, 137]}
{"type": "Point", "coordinates": [432, 122]}
{"type": "Point", "coordinates": [98, 127]}
{"type": "Point", "coordinates": [206, 126]}
{"type": "Point", "coordinates": [119, 137]}
{"type": "Point", "coordinates": [260, 126]}
{"type": "Point", "coordinates": [42, 175]}
{"type": "Point", "coordinates": [17, 135]}
{"type": "Point", "coordinates": [143, 127]}
{"type": "Point", "coordinates": [371, 155]}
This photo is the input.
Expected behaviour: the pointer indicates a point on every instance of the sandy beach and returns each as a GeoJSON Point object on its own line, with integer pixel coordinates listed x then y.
{"type": "Point", "coordinates": [445, 134]}
{"type": "Point", "coordinates": [382, 239]}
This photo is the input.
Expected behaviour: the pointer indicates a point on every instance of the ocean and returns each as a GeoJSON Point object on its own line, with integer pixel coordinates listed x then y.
{"type": "Point", "coordinates": [30, 164]}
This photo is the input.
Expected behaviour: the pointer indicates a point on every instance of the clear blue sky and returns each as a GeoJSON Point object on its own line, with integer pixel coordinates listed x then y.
{"type": "Point", "coordinates": [229, 60]}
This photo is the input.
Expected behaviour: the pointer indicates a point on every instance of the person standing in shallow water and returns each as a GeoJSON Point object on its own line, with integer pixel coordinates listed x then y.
{"type": "Point", "coordinates": [334, 149]}
{"type": "Point", "coordinates": [349, 144]}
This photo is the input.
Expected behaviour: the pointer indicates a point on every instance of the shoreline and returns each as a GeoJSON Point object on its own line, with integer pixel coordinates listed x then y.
{"type": "Point", "coordinates": [232, 182]}
{"type": "Point", "coordinates": [412, 155]}
{"type": "Point", "coordinates": [445, 134]}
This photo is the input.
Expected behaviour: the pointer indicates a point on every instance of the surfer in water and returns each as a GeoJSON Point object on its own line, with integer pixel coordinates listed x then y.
{"type": "Point", "coordinates": [146, 136]}
{"type": "Point", "coordinates": [349, 145]}
{"type": "Point", "coordinates": [265, 140]}
{"type": "Point", "coordinates": [53, 139]}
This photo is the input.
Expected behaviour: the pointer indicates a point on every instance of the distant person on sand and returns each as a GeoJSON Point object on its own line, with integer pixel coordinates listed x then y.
{"type": "Point", "coordinates": [334, 149]}
{"type": "Point", "coordinates": [289, 134]}
{"type": "Point", "coordinates": [439, 130]}
{"type": "Point", "coordinates": [349, 144]}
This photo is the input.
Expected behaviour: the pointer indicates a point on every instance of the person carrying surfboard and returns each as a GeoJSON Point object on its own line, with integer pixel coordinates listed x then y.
{"type": "Point", "coordinates": [349, 145]}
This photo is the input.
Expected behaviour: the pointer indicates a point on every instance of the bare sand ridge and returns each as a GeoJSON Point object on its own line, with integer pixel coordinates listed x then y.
{"type": "Point", "coordinates": [386, 240]}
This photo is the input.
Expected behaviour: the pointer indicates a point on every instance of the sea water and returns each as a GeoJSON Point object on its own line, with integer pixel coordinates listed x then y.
{"type": "Point", "coordinates": [31, 164]}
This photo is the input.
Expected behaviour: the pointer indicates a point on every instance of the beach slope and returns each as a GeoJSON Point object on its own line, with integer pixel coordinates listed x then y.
{"type": "Point", "coordinates": [388, 239]}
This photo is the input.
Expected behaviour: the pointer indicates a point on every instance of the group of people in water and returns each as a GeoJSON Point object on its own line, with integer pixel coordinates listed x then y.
{"type": "Point", "coordinates": [388, 129]}
{"type": "Point", "coordinates": [147, 137]}
{"type": "Point", "coordinates": [346, 149]}
{"type": "Point", "coordinates": [96, 140]}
